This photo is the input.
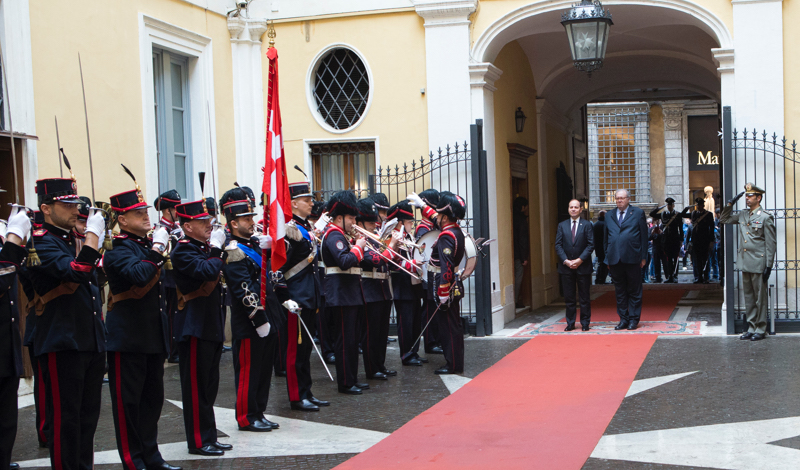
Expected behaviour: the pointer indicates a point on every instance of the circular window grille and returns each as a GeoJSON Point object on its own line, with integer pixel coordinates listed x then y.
{"type": "Point", "coordinates": [341, 88]}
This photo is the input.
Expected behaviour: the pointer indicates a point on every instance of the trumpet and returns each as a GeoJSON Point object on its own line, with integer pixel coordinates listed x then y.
{"type": "Point", "coordinates": [167, 249]}
{"type": "Point", "coordinates": [385, 246]}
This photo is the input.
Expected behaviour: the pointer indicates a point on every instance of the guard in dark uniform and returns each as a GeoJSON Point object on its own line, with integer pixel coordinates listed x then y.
{"type": "Point", "coordinates": [199, 324]}
{"type": "Point", "coordinates": [672, 238]}
{"type": "Point", "coordinates": [299, 282]}
{"type": "Point", "coordinates": [702, 236]}
{"type": "Point", "coordinates": [137, 332]}
{"type": "Point", "coordinates": [253, 344]}
{"type": "Point", "coordinates": [166, 203]}
{"type": "Point", "coordinates": [377, 295]}
{"type": "Point", "coordinates": [382, 206]}
{"type": "Point", "coordinates": [343, 294]}
{"type": "Point", "coordinates": [426, 202]}
{"type": "Point", "coordinates": [404, 293]}
{"type": "Point", "coordinates": [447, 289]}
{"type": "Point", "coordinates": [12, 257]}
{"type": "Point", "coordinates": [69, 337]}
{"type": "Point", "coordinates": [325, 329]}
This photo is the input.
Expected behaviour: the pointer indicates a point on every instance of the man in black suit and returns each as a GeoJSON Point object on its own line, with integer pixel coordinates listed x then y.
{"type": "Point", "coordinates": [625, 244]}
{"type": "Point", "coordinates": [599, 228]}
{"type": "Point", "coordinates": [574, 245]}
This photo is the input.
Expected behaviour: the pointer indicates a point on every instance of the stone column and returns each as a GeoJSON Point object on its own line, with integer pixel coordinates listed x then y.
{"type": "Point", "coordinates": [641, 146]}
{"type": "Point", "coordinates": [248, 99]}
{"type": "Point", "coordinates": [595, 197]}
{"type": "Point", "coordinates": [676, 168]}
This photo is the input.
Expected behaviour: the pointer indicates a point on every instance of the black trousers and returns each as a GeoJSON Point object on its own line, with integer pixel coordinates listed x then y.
{"type": "Point", "coordinates": [136, 382]}
{"type": "Point", "coordinates": [658, 256]}
{"type": "Point", "coordinates": [451, 334]}
{"type": "Point", "coordinates": [324, 329]}
{"type": "Point", "coordinates": [670, 263]}
{"type": "Point", "coordinates": [8, 418]}
{"type": "Point", "coordinates": [39, 399]}
{"type": "Point", "coordinates": [432, 333]}
{"type": "Point", "coordinates": [699, 261]}
{"type": "Point", "coordinates": [282, 340]}
{"type": "Point", "coordinates": [374, 334]}
{"type": "Point", "coordinates": [628, 287]}
{"type": "Point", "coordinates": [583, 282]}
{"type": "Point", "coordinates": [409, 325]}
{"type": "Point", "coordinates": [172, 308]}
{"type": "Point", "coordinates": [199, 369]}
{"type": "Point", "coordinates": [252, 371]}
{"type": "Point", "coordinates": [346, 344]}
{"type": "Point", "coordinates": [74, 385]}
{"type": "Point", "coordinates": [602, 272]}
{"type": "Point", "coordinates": [298, 354]}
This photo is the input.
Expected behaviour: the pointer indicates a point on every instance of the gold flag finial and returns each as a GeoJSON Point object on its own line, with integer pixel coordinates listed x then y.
{"type": "Point", "coordinates": [271, 33]}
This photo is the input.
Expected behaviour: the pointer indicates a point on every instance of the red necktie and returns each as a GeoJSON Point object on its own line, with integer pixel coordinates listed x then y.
{"type": "Point", "coordinates": [574, 229]}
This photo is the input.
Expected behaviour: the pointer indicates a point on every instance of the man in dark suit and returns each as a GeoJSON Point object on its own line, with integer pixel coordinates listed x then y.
{"type": "Point", "coordinates": [599, 228]}
{"type": "Point", "coordinates": [625, 244]}
{"type": "Point", "coordinates": [574, 245]}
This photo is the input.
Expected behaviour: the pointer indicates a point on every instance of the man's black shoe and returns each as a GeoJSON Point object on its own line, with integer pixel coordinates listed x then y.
{"type": "Point", "coordinates": [13, 466]}
{"type": "Point", "coordinates": [319, 402]}
{"type": "Point", "coordinates": [423, 360]}
{"type": "Point", "coordinates": [350, 391]}
{"type": "Point", "coordinates": [226, 349]}
{"type": "Point", "coordinates": [270, 423]}
{"type": "Point", "coordinates": [304, 405]}
{"type": "Point", "coordinates": [42, 445]}
{"type": "Point", "coordinates": [757, 337]}
{"type": "Point", "coordinates": [173, 360]}
{"type": "Point", "coordinates": [584, 327]}
{"type": "Point", "coordinates": [633, 325]}
{"type": "Point", "coordinates": [280, 373]}
{"type": "Point", "coordinates": [412, 362]}
{"type": "Point", "coordinates": [392, 340]}
{"type": "Point", "coordinates": [444, 371]}
{"type": "Point", "coordinates": [165, 466]}
{"type": "Point", "coordinates": [330, 359]}
{"type": "Point", "coordinates": [621, 325]}
{"type": "Point", "coordinates": [379, 376]}
{"type": "Point", "coordinates": [390, 373]}
{"type": "Point", "coordinates": [258, 426]}
{"type": "Point", "coordinates": [362, 386]}
{"type": "Point", "coordinates": [570, 327]}
{"type": "Point", "coordinates": [437, 350]}
{"type": "Point", "coordinates": [222, 446]}
{"type": "Point", "coordinates": [207, 450]}
{"type": "Point", "coordinates": [746, 335]}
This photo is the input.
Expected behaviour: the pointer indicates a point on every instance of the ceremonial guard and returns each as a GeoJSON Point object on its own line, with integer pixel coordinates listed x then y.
{"type": "Point", "coordinates": [137, 332]}
{"type": "Point", "coordinates": [343, 294]}
{"type": "Point", "coordinates": [166, 203]}
{"type": "Point", "coordinates": [69, 336]}
{"type": "Point", "coordinates": [757, 247]}
{"type": "Point", "coordinates": [404, 294]}
{"type": "Point", "coordinates": [671, 238]}
{"type": "Point", "coordinates": [447, 289]}
{"type": "Point", "coordinates": [299, 282]}
{"type": "Point", "coordinates": [701, 238]}
{"type": "Point", "coordinates": [253, 345]}
{"type": "Point", "coordinates": [426, 201]}
{"type": "Point", "coordinates": [382, 206]}
{"type": "Point", "coordinates": [377, 295]}
{"type": "Point", "coordinates": [200, 324]}
{"type": "Point", "coordinates": [12, 257]}
{"type": "Point", "coordinates": [325, 329]}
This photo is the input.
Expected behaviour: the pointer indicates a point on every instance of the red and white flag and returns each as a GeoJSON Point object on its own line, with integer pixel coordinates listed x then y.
{"type": "Point", "coordinates": [275, 185]}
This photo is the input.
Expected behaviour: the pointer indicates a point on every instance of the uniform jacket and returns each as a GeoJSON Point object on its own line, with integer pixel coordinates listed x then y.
{"type": "Point", "coordinates": [240, 271]}
{"type": "Point", "coordinates": [627, 243]}
{"type": "Point", "coordinates": [448, 251]}
{"type": "Point", "coordinates": [194, 263]}
{"type": "Point", "coordinates": [341, 290]}
{"type": "Point", "coordinates": [581, 248]}
{"type": "Point", "coordinates": [402, 289]}
{"type": "Point", "coordinates": [702, 228]}
{"type": "Point", "coordinates": [11, 259]}
{"type": "Point", "coordinates": [375, 290]}
{"type": "Point", "coordinates": [71, 322]}
{"type": "Point", "coordinates": [136, 325]}
{"type": "Point", "coordinates": [303, 287]}
{"type": "Point", "coordinates": [757, 239]}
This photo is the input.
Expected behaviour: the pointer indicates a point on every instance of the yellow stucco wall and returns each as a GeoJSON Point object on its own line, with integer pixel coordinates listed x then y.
{"type": "Point", "coordinates": [791, 69]}
{"type": "Point", "coordinates": [107, 36]}
{"type": "Point", "coordinates": [515, 88]}
{"type": "Point", "coordinates": [393, 47]}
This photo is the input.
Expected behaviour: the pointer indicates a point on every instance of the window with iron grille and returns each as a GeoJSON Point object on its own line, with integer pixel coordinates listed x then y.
{"type": "Point", "coordinates": [619, 152]}
{"type": "Point", "coordinates": [341, 88]}
{"type": "Point", "coordinates": [342, 166]}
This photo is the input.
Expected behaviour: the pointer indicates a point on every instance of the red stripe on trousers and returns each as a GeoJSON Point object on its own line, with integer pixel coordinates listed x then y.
{"type": "Point", "coordinates": [244, 383]}
{"type": "Point", "coordinates": [291, 359]}
{"type": "Point", "coordinates": [42, 401]}
{"type": "Point", "coordinates": [53, 369]}
{"type": "Point", "coordinates": [127, 461]}
{"type": "Point", "coordinates": [198, 441]}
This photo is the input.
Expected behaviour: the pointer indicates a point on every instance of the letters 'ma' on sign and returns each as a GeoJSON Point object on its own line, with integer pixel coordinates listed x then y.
{"type": "Point", "coordinates": [704, 143]}
{"type": "Point", "coordinates": [707, 159]}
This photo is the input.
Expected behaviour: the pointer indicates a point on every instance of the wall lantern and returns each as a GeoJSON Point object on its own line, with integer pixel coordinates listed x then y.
{"type": "Point", "coordinates": [519, 119]}
{"type": "Point", "coordinates": [587, 25]}
{"type": "Point", "coordinates": [584, 203]}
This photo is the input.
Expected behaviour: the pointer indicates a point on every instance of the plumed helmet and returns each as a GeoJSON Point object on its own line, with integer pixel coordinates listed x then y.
{"type": "Point", "coordinates": [236, 203]}
{"type": "Point", "coordinates": [430, 196]}
{"type": "Point", "coordinates": [401, 211]}
{"type": "Point", "coordinates": [367, 211]}
{"type": "Point", "coordinates": [342, 203]}
{"type": "Point", "coordinates": [250, 195]}
{"type": "Point", "coordinates": [83, 208]}
{"type": "Point", "coordinates": [381, 201]}
{"type": "Point", "coordinates": [451, 205]}
{"type": "Point", "coordinates": [211, 205]}
{"type": "Point", "coordinates": [317, 209]}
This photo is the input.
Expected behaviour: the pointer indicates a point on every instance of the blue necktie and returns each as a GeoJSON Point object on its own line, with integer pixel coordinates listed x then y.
{"type": "Point", "coordinates": [621, 215]}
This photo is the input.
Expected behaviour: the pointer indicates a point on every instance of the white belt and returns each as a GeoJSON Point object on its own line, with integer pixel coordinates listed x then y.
{"type": "Point", "coordinates": [374, 275]}
{"type": "Point", "coordinates": [335, 270]}
{"type": "Point", "coordinates": [321, 264]}
{"type": "Point", "coordinates": [434, 269]}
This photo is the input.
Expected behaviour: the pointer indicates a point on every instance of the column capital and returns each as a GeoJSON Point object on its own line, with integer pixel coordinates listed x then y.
{"type": "Point", "coordinates": [724, 59]}
{"type": "Point", "coordinates": [235, 26]}
{"type": "Point", "coordinates": [255, 29]}
{"type": "Point", "coordinates": [673, 115]}
{"type": "Point", "coordinates": [483, 75]}
{"type": "Point", "coordinates": [445, 12]}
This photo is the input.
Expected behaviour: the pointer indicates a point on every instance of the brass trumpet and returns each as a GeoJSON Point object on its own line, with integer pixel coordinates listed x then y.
{"type": "Point", "coordinates": [384, 246]}
{"type": "Point", "coordinates": [167, 249]}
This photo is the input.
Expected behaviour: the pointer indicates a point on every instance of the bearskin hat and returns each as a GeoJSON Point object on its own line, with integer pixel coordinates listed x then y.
{"type": "Point", "coordinates": [317, 209]}
{"type": "Point", "coordinates": [342, 203]}
{"type": "Point", "coordinates": [451, 205]}
{"type": "Point", "coordinates": [367, 210]}
{"type": "Point", "coordinates": [401, 211]}
{"type": "Point", "coordinates": [381, 201]}
{"type": "Point", "coordinates": [431, 197]}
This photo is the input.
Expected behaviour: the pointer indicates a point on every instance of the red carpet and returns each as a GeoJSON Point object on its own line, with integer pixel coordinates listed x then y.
{"type": "Point", "coordinates": [657, 305]}
{"type": "Point", "coordinates": [537, 408]}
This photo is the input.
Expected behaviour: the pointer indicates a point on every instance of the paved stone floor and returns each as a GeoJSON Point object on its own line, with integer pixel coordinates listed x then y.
{"type": "Point", "coordinates": [697, 402]}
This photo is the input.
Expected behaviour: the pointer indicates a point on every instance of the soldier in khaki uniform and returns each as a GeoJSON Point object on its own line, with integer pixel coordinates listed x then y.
{"type": "Point", "coordinates": [757, 246]}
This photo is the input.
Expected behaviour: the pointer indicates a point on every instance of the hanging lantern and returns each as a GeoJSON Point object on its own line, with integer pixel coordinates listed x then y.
{"type": "Point", "coordinates": [587, 25]}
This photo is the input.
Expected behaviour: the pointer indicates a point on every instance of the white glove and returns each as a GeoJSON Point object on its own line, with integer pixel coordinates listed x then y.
{"type": "Point", "coordinates": [19, 224]}
{"type": "Point", "coordinates": [415, 200]}
{"type": "Point", "coordinates": [291, 306]}
{"type": "Point", "coordinates": [263, 330]}
{"type": "Point", "coordinates": [264, 242]}
{"type": "Point", "coordinates": [96, 224]}
{"type": "Point", "coordinates": [217, 238]}
{"type": "Point", "coordinates": [161, 237]}
{"type": "Point", "coordinates": [443, 300]}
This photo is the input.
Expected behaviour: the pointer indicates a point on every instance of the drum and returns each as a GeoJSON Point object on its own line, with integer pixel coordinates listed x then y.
{"type": "Point", "coordinates": [423, 253]}
{"type": "Point", "coordinates": [468, 262]}
{"type": "Point", "coordinates": [470, 259]}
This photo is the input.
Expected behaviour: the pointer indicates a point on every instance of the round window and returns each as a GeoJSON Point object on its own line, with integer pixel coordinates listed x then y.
{"type": "Point", "coordinates": [341, 88]}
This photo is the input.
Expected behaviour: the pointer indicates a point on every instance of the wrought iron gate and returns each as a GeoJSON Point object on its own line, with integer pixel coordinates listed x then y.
{"type": "Point", "coordinates": [771, 163]}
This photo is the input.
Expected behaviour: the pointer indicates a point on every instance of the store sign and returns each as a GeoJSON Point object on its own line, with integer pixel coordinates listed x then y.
{"type": "Point", "coordinates": [704, 143]}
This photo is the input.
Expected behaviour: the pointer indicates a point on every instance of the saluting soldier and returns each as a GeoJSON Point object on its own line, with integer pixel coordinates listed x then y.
{"type": "Point", "coordinates": [137, 332]}
{"type": "Point", "coordinates": [12, 257]}
{"type": "Point", "coordinates": [166, 203]}
{"type": "Point", "coordinates": [343, 294]}
{"type": "Point", "coordinates": [700, 238]}
{"type": "Point", "coordinates": [253, 345]}
{"type": "Point", "coordinates": [426, 201]}
{"type": "Point", "coordinates": [69, 336]}
{"type": "Point", "coordinates": [300, 283]}
{"type": "Point", "coordinates": [757, 247]}
{"type": "Point", "coordinates": [672, 237]}
{"type": "Point", "coordinates": [447, 289]}
{"type": "Point", "coordinates": [200, 324]}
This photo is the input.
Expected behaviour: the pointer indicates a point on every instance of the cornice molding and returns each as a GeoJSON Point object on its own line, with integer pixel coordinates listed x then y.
{"type": "Point", "coordinates": [484, 75]}
{"type": "Point", "coordinates": [255, 29]}
{"type": "Point", "coordinates": [725, 59]}
{"type": "Point", "coordinates": [445, 12]}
